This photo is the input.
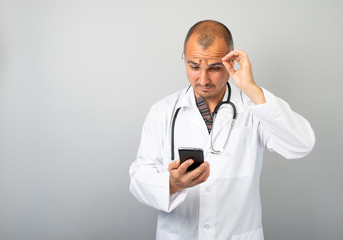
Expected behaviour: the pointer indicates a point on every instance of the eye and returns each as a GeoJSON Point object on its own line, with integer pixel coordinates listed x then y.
{"type": "Point", "coordinates": [195, 68]}
{"type": "Point", "coordinates": [215, 69]}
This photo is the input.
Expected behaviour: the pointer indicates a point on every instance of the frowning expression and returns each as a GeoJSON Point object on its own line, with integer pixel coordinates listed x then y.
{"type": "Point", "coordinates": [205, 70]}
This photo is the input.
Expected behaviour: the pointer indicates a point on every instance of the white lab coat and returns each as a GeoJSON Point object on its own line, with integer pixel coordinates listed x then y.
{"type": "Point", "coordinates": [227, 205]}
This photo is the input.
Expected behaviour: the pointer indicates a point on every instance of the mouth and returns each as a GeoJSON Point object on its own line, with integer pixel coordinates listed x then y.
{"type": "Point", "coordinates": [205, 88]}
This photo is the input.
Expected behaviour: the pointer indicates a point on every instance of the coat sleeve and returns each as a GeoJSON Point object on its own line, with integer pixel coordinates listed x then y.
{"type": "Point", "coordinates": [149, 178]}
{"type": "Point", "coordinates": [283, 130]}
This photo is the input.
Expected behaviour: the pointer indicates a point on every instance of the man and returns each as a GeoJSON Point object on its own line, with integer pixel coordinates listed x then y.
{"type": "Point", "coordinates": [219, 199]}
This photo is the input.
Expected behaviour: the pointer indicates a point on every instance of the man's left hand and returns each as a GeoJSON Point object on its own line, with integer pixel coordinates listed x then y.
{"type": "Point", "coordinates": [243, 77]}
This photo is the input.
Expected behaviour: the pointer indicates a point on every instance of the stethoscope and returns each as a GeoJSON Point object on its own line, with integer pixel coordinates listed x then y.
{"type": "Point", "coordinates": [214, 114]}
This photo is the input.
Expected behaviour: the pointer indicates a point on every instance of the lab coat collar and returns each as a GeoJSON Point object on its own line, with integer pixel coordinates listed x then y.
{"type": "Point", "coordinates": [187, 99]}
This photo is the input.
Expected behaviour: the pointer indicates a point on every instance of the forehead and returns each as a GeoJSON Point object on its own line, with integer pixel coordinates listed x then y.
{"type": "Point", "coordinates": [217, 49]}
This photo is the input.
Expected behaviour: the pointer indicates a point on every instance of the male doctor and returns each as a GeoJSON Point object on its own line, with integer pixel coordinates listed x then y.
{"type": "Point", "coordinates": [220, 199]}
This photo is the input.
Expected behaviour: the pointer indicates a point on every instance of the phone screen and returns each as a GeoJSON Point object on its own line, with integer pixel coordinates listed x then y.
{"type": "Point", "coordinates": [191, 153]}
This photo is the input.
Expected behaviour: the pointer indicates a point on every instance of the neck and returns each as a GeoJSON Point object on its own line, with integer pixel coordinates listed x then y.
{"type": "Point", "coordinates": [212, 102]}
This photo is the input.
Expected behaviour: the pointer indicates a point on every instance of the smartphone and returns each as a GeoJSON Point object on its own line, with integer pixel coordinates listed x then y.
{"type": "Point", "coordinates": [191, 153]}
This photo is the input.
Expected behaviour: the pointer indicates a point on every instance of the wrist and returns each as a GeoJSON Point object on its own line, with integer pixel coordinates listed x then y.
{"type": "Point", "coordinates": [173, 189]}
{"type": "Point", "coordinates": [255, 94]}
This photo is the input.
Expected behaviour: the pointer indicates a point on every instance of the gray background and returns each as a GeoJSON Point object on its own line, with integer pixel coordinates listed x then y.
{"type": "Point", "coordinates": [78, 77]}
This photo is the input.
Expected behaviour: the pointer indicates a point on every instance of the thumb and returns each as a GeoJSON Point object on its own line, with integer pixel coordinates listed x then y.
{"type": "Point", "coordinates": [174, 165]}
{"type": "Point", "coordinates": [186, 164]}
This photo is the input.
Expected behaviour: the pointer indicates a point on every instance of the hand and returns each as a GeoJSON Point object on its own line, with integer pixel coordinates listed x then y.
{"type": "Point", "coordinates": [179, 178]}
{"type": "Point", "coordinates": [243, 77]}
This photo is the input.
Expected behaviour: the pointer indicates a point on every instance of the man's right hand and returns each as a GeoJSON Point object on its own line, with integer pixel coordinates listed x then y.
{"type": "Point", "coordinates": [179, 178]}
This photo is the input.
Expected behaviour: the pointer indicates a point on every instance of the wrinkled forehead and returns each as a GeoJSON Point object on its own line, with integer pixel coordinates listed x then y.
{"type": "Point", "coordinates": [218, 49]}
{"type": "Point", "coordinates": [193, 60]}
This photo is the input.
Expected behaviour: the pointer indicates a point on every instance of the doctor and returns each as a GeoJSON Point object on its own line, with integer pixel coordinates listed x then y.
{"type": "Point", "coordinates": [220, 199]}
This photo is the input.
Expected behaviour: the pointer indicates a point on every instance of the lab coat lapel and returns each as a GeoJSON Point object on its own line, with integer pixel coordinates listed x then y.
{"type": "Point", "coordinates": [188, 99]}
{"type": "Point", "coordinates": [187, 103]}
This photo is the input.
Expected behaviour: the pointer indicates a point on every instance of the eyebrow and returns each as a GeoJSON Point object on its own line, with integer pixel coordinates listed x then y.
{"type": "Point", "coordinates": [216, 64]}
{"type": "Point", "coordinates": [191, 62]}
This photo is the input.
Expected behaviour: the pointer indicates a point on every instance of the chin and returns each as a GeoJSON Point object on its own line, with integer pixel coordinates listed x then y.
{"type": "Point", "coordinates": [206, 94]}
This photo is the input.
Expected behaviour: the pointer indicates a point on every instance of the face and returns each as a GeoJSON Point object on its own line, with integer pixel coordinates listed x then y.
{"type": "Point", "coordinates": [205, 70]}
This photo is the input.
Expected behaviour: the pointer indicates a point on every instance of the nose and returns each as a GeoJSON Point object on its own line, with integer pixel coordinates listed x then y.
{"type": "Point", "coordinates": [204, 78]}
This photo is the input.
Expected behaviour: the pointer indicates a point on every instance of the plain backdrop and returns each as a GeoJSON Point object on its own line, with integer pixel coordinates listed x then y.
{"type": "Point", "coordinates": [77, 79]}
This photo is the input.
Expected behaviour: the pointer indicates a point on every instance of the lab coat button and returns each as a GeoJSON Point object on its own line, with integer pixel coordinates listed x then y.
{"type": "Point", "coordinates": [207, 226]}
{"type": "Point", "coordinates": [208, 189]}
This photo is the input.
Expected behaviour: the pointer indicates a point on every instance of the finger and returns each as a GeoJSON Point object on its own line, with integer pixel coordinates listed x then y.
{"type": "Point", "coordinates": [229, 67]}
{"type": "Point", "coordinates": [173, 165]}
{"type": "Point", "coordinates": [206, 176]}
{"type": "Point", "coordinates": [241, 52]}
{"type": "Point", "coordinates": [183, 167]}
{"type": "Point", "coordinates": [242, 57]}
{"type": "Point", "coordinates": [236, 54]}
{"type": "Point", "coordinates": [199, 170]}
{"type": "Point", "coordinates": [231, 55]}
{"type": "Point", "coordinates": [202, 177]}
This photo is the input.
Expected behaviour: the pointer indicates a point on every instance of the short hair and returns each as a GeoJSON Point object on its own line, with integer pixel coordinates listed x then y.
{"type": "Point", "coordinates": [208, 30]}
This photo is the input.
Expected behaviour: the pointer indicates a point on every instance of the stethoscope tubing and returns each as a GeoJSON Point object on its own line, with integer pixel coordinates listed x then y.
{"type": "Point", "coordinates": [216, 109]}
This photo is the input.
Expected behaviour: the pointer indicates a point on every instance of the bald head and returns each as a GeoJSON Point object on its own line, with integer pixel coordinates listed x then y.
{"type": "Point", "coordinates": [207, 32]}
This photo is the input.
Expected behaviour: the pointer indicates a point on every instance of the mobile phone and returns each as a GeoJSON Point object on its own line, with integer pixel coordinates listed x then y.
{"type": "Point", "coordinates": [191, 153]}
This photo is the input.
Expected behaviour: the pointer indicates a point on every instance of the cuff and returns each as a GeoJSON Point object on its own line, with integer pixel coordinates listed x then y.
{"type": "Point", "coordinates": [175, 199]}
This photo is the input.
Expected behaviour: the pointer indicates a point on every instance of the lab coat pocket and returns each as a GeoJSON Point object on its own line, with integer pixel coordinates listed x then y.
{"type": "Point", "coordinates": [235, 161]}
{"type": "Point", "coordinates": [253, 235]}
